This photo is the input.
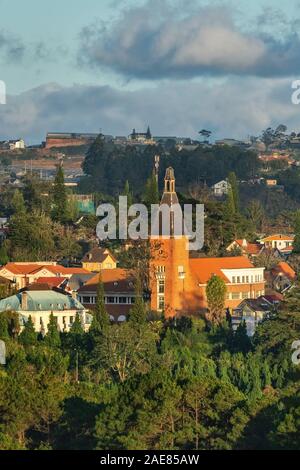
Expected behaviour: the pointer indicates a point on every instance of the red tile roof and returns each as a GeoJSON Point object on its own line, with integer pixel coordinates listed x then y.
{"type": "Point", "coordinates": [204, 268]}
{"type": "Point", "coordinates": [51, 281]}
{"type": "Point", "coordinates": [114, 280]}
{"type": "Point", "coordinates": [278, 237]}
{"type": "Point", "coordinates": [250, 248]}
{"type": "Point", "coordinates": [284, 268]}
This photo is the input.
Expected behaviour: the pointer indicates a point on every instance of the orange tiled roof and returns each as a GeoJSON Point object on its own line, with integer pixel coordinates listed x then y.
{"type": "Point", "coordinates": [58, 269]}
{"type": "Point", "coordinates": [123, 278]}
{"type": "Point", "coordinates": [285, 268]}
{"type": "Point", "coordinates": [29, 268]}
{"type": "Point", "coordinates": [278, 237]}
{"type": "Point", "coordinates": [204, 268]}
{"type": "Point", "coordinates": [250, 248]}
{"type": "Point", "coordinates": [51, 281]}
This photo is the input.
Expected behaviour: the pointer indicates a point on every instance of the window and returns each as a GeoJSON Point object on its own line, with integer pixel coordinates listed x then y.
{"type": "Point", "coordinates": [86, 300]}
{"type": "Point", "coordinates": [161, 287]}
{"type": "Point", "coordinates": [247, 279]}
{"type": "Point", "coordinates": [233, 280]}
{"type": "Point", "coordinates": [238, 280]}
{"type": "Point", "coordinates": [245, 295]}
{"type": "Point", "coordinates": [235, 295]}
{"type": "Point", "coordinates": [71, 320]}
{"type": "Point", "coordinates": [122, 300]}
{"type": "Point", "coordinates": [111, 300]}
{"type": "Point", "coordinates": [161, 303]}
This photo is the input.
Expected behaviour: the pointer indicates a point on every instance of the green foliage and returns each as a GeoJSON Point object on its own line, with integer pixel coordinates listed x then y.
{"type": "Point", "coordinates": [151, 195]}
{"type": "Point", "coordinates": [215, 293]}
{"type": "Point", "coordinates": [28, 336]}
{"type": "Point", "coordinates": [52, 337]}
{"type": "Point", "coordinates": [59, 211]}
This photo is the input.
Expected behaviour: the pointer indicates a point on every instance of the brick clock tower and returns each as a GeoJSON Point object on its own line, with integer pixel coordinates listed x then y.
{"type": "Point", "coordinates": [169, 264]}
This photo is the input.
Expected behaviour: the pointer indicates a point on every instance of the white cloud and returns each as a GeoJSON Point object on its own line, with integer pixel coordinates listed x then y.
{"type": "Point", "coordinates": [234, 107]}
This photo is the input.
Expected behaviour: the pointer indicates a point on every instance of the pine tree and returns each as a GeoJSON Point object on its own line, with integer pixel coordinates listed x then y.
{"type": "Point", "coordinates": [137, 315]}
{"type": "Point", "coordinates": [232, 180]}
{"type": "Point", "coordinates": [76, 328]}
{"type": "Point", "coordinates": [18, 203]}
{"type": "Point", "coordinates": [100, 317]}
{"type": "Point", "coordinates": [215, 293]}
{"type": "Point", "coordinates": [229, 211]}
{"type": "Point", "coordinates": [28, 336]}
{"type": "Point", "coordinates": [151, 191]}
{"type": "Point", "coordinates": [52, 337]}
{"type": "Point", "coordinates": [59, 197]}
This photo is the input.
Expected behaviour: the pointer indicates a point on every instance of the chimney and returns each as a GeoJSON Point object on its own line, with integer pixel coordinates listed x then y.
{"type": "Point", "coordinates": [24, 300]}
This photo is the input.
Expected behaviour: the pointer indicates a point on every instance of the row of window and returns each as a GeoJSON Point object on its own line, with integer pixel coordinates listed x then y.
{"type": "Point", "coordinates": [247, 279]}
{"type": "Point", "coordinates": [242, 295]}
{"type": "Point", "coordinates": [91, 300]}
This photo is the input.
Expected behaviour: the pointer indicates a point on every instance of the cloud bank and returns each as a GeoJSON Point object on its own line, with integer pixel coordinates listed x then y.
{"type": "Point", "coordinates": [158, 41]}
{"type": "Point", "coordinates": [235, 108]}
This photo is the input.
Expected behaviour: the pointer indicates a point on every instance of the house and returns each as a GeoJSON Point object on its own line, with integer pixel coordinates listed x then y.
{"type": "Point", "coordinates": [221, 188]}
{"type": "Point", "coordinates": [18, 144]}
{"type": "Point", "coordinates": [23, 274]}
{"type": "Point", "coordinates": [246, 248]}
{"type": "Point", "coordinates": [282, 277]}
{"type": "Point", "coordinates": [279, 241]}
{"type": "Point", "coordinates": [252, 312]}
{"type": "Point", "coordinates": [97, 259]}
{"type": "Point", "coordinates": [178, 281]}
{"type": "Point", "coordinates": [40, 304]}
{"type": "Point", "coordinates": [119, 293]}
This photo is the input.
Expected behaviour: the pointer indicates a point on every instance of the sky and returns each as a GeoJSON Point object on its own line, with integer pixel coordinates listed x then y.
{"type": "Point", "coordinates": [178, 66]}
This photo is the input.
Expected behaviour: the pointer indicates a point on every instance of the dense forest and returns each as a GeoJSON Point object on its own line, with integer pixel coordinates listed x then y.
{"type": "Point", "coordinates": [110, 166]}
{"type": "Point", "coordinates": [151, 384]}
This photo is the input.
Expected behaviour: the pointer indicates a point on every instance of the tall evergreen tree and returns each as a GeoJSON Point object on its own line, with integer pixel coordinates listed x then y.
{"type": "Point", "coordinates": [100, 317]}
{"type": "Point", "coordinates": [215, 293]}
{"type": "Point", "coordinates": [76, 328]}
{"type": "Point", "coordinates": [59, 197]}
{"type": "Point", "coordinates": [18, 203]}
{"type": "Point", "coordinates": [151, 191]}
{"type": "Point", "coordinates": [232, 180]}
{"type": "Point", "coordinates": [137, 315]}
{"type": "Point", "coordinates": [28, 336]}
{"type": "Point", "coordinates": [52, 337]}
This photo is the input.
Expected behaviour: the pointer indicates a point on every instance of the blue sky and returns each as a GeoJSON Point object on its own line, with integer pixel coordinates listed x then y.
{"type": "Point", "coordinates": [116, 56]}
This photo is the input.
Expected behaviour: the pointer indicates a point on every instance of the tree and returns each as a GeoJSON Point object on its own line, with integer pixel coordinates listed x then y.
{"type": "Point", "coordinates": [4, 258]}
{"type": "Point", "coordinates": [3, 328]}
{"type": "Point", "coordinates": [128, 194]}
{"type": "Point", "coordinates": [232, 180]}
{"type": "Point", "coordinates": [297, 233]}
{"type": "Point", "coordinates": [18, 203]}
{"type": "Point", "coordinates": [151, 191]}
{"type": "Point", "coordinates": [256, 214]}
{"type": "Point", "coordinates": [137, 315]}
{"type": "Point", "coordinates": [101, 320]}
{"type": "Point", "coordinates": [76, 328]}
{"type": "Point", "coordinates": [52, 337]}
{"type": "Point", "coordinates": [28, 336]}
{"type": "Point", "coordinates": [216, 293]}
{"type": "Point", "coordinates": [59, 212]}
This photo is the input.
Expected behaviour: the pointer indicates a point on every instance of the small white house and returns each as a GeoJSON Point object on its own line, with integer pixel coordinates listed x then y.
{"type": "Point", "coordinates": [221, 188]}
